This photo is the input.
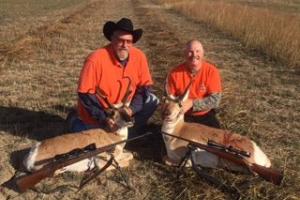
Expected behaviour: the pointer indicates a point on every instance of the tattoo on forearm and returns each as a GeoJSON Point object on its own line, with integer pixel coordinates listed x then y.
{"type": "Point", "coordinates": [208, 103]}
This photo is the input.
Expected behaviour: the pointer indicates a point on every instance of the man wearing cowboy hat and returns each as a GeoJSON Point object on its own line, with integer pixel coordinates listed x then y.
{"type": "Point", "coordinates": [113, 69]}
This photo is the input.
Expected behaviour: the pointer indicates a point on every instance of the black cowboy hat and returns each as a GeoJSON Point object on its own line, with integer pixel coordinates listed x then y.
{"type": "Point", "coordinates": [124, 24]}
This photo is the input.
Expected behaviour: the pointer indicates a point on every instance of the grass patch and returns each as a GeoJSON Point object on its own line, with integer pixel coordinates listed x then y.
{"type": "Point", "coordinates": [13, 9]}
{"type": "Point", "coordinates": [275, 33]}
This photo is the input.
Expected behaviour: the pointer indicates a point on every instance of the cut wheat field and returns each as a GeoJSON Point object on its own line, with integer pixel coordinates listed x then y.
{"type": "Point", "coordinates": [42, 49]}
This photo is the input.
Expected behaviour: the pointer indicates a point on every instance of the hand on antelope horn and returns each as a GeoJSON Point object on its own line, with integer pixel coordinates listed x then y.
{"type": "Point", "coordinates": [126, 113]}
{"type": "Point", "coordinates": [111, 125]}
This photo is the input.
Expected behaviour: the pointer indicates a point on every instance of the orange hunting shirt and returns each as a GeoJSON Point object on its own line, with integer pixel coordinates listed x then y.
{"type": "Point", "coordinates": [206, 82]}
{"type": "Point", "coordinates": [103, 70]}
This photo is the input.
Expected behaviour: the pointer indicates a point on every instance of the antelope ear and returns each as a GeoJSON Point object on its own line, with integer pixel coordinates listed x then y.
{"type": "Point", "coordinates": [127, 104]}
{"type": "Point", "coordinates": [173, 98]}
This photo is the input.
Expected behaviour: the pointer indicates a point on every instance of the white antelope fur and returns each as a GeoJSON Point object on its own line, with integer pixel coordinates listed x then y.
{"type": "Point", "coordinates": [66, 143]}
{"type": "Point", "coordinates": [30, 159]}
{"type": "Point", "coordinates": [173, 123]}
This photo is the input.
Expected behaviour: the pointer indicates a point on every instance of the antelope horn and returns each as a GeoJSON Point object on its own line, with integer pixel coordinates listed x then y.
{"type": "Point", "coordinates": [100, 93]}
{"type": "Point", "coordinates": [185, 95]}
{"type": "Point", "coordinates": [128, 91]}
{"type": "Point", "coordinates": [169, 96]}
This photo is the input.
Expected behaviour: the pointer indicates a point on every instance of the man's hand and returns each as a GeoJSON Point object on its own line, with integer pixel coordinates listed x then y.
{"type": "Point", "coordinates": [111, 125]}
{"type": "Point", "coordinates": [187, 105]}
{"type": "Point", "coordinates": [126, 113]}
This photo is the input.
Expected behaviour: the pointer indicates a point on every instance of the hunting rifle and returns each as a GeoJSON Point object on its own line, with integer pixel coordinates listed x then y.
{"type": "Point", "coordinates": [237, 157]}
{"type": "Point", "coordinates": [61, 161]}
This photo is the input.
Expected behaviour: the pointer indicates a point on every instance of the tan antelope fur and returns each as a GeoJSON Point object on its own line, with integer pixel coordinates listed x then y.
{"type": "Point", "coordinates": [173, 123]}
{"type": "Point", "coordinates": [49, 148]}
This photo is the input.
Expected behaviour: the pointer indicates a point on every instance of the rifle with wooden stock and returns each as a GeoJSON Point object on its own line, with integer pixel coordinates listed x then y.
{"type": "Point", "coordinates": [237, 157]}
{"type": "Point", "coordinates": [61, 161]}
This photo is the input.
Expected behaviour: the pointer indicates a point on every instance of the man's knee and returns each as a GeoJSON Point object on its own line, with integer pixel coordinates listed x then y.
{"type": "Point", "coordinates": [151, 102]}
{"type": "Point", "coordinates": [75, 124]}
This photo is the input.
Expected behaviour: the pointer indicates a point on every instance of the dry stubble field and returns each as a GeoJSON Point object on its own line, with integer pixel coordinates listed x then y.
{"type": "Point", "coordinates": [42, 48]}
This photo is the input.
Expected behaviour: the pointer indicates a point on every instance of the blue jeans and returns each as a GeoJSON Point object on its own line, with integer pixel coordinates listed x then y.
{"type": "Point", "coordinates": [141, 117]}
{"type": "Point", "coordinates": [77, 125]}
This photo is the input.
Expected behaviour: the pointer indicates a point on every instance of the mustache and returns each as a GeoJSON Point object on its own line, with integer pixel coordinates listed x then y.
{"type": "Point", "coordinates": [126, 49]}
{"type": "Point", "coordinates": [195, 57]}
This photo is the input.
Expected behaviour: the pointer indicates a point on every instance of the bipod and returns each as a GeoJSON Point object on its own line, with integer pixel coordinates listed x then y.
{"type": "Point", "coordinates": [125, 179]}
{"type": "Point", "coordinates": [202, 174]}
{"type": "Point", "coordinates": [93, 173]}
{"type": "Point", "coordinates": [183, 162]}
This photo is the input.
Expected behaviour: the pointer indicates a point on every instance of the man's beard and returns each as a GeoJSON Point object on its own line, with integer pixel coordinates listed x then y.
{"type": "Point", "coordinates": [194, 67]}
{"type": "Point", "coordinates": [122, 54]}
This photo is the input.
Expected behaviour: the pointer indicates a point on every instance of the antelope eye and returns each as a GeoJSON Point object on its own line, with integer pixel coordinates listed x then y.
{"type": "Point", "coordinates": [110, 112]}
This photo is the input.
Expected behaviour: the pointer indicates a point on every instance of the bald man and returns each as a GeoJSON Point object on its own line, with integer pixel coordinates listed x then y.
{"type": "Point", "coordinates": [205, 91]}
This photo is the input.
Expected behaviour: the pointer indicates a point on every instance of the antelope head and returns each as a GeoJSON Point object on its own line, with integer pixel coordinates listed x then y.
{"type": "Point", "coordinates": [172, 106]}
{"type": "Point", "coordinates": [116, 111]}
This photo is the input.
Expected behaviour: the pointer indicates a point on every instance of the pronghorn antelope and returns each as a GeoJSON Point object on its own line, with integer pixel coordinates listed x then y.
{"type": "Point", "coordinates": [173, 123]}
{"type": "Point", "coordinates": [42, 152]}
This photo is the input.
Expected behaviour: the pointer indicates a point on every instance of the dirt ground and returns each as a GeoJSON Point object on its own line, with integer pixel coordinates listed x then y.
{"type": "Point", "coordinates": [40, 60]}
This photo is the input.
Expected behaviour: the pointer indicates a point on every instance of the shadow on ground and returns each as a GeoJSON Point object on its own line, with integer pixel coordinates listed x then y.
{"type": "Point", "coordinates": [37, 125]}
{"type": "Point", "coordinates": [16, 160]}
{"type": "Point", "coordinates": [150, 147]}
